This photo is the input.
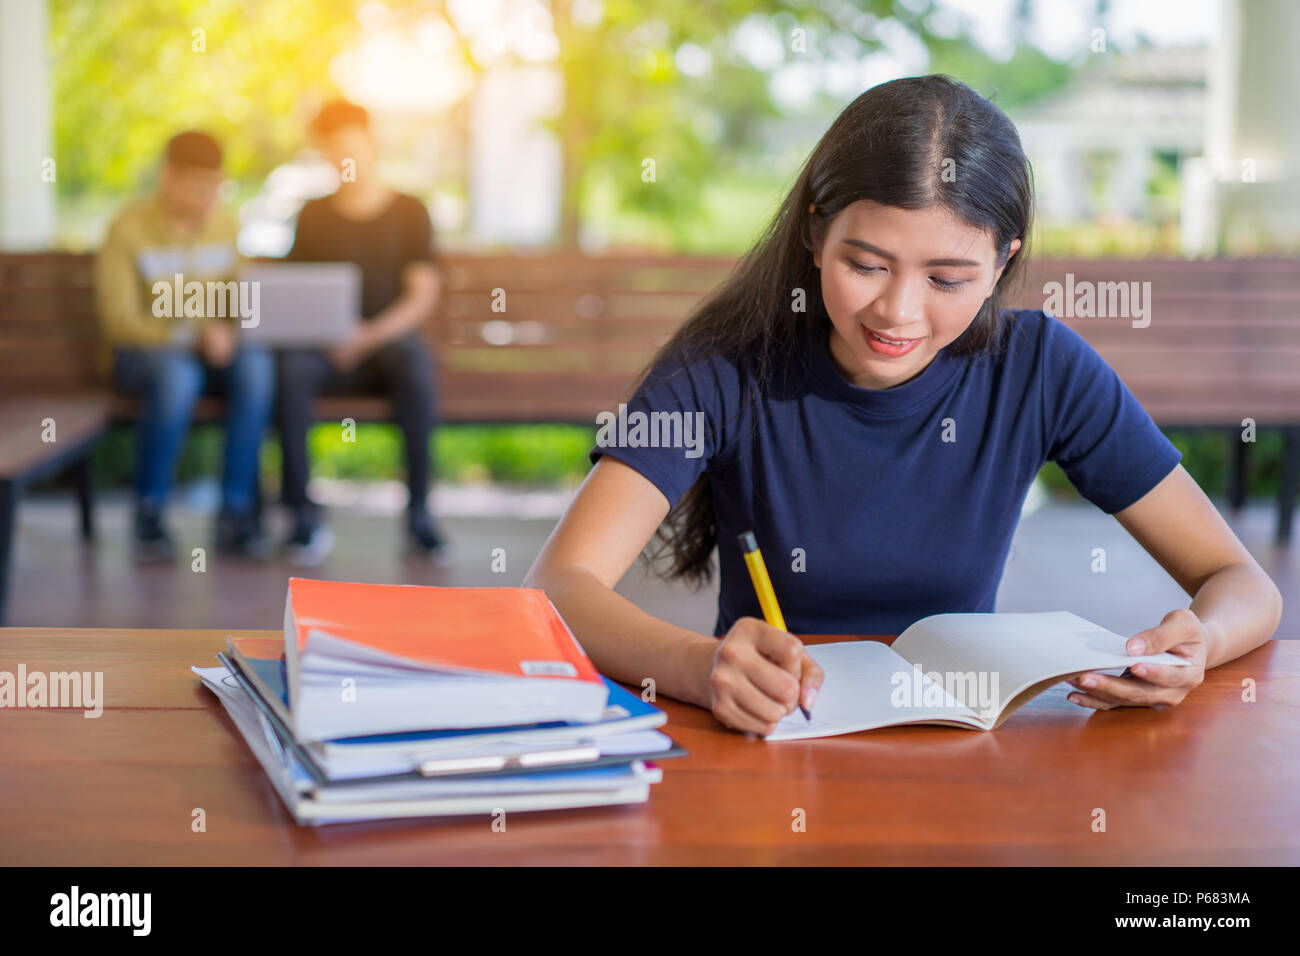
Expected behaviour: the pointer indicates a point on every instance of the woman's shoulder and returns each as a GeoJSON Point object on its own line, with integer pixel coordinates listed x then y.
{"type": "Point", "coordinates": [1038, 323]}
{"type": "Point", "coordinates": [1034, 335]}
{"type": "Point", "coordinates": [1039, 342]}
{"type": "Point", "coordinates": [1053, 338]}
{"type": "Point", "coordinates": [1021, 325]}
{"type": "Point", "coordinates": [704, 372]}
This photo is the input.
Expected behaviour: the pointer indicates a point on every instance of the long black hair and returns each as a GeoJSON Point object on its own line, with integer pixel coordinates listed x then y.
{"type": "Point", "coordinates": [913, 143]}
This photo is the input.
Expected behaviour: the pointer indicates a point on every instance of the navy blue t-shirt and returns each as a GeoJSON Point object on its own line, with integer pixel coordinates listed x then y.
{"type": "Point", "coordinates": [877, 507]}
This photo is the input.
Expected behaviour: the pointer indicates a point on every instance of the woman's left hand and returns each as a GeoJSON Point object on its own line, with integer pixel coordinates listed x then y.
{"type": "Point", "coordinates": [1151, 685]}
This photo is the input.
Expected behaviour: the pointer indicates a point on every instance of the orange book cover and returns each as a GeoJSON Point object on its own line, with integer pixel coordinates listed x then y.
{"type": "Point", "coordinates": [513, 631]}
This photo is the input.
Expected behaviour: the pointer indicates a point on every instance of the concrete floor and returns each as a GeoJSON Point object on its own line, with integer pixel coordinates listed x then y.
{"type": "Point", "coordinates": [59, 582]}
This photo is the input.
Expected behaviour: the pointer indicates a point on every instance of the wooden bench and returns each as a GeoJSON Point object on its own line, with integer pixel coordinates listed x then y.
{"type": "Point", "coordinates": [1222, 346]}
{"type": "Point", "coordinates": [559, 338]}
{"type": "Point", "coordinates": [574, 332]}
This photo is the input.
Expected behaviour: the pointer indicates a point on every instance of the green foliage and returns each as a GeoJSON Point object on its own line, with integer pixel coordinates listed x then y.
{"type": "Point", "coordinates": [1027, 75]}
{"type": "Point", "coordinates": [732, 210]}
{"type": "Point", "coordinates": [376, 452]}
{"type": "Point", "coordinates": [127, 76]}
{"type": "Point", "coordinates": [510, 454]}
{"type": "Point", "coordinates": [518, 454]}
{"type": "Point", "coordinates": [522, 454]}
{"type": "Point", "coordinates": [557, 455]}
{"type": "Point", "coordinates": [1094, 240]}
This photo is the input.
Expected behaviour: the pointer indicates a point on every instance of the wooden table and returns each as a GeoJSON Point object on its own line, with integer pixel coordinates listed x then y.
{"type": "Point", "coordinates": [1214, 781]}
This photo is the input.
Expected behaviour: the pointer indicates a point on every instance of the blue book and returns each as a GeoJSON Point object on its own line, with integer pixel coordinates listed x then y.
{"type": "Point", "coordinates": [625, 711]}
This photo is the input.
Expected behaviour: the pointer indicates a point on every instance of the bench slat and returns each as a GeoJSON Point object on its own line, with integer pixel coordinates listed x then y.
{"type": "Point", "coordinates": [1224, 336]}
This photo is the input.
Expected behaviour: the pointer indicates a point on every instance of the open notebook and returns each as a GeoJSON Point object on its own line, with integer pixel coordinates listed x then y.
{"type": "Point", "coordinates": [961, 670]}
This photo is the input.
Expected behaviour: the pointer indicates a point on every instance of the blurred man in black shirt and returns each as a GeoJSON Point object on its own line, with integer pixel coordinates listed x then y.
{"type": "Point", "coordinates": [390, 237]}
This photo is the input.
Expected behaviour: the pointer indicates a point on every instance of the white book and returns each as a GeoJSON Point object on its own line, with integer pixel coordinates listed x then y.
{"type": "Point", "coordinates": [333, 704]}
{"type": "Point", "coordinates": [962, 670]}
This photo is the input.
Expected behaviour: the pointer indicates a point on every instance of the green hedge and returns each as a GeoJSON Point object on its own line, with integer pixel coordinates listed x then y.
{"type": "Point", "coordinates": [511, 454]}
{"type": "Point", "coordinates": [557, 454]}
{"type": "Point", "coordinates": [1207, 457]}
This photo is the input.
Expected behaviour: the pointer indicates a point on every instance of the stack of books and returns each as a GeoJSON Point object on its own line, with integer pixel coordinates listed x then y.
{"type": "Point", "coordinates": [386, 701]}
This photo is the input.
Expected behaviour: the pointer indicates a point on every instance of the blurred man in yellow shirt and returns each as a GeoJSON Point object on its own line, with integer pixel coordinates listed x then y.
{"type": "Point", "coordinates": [168, 349]}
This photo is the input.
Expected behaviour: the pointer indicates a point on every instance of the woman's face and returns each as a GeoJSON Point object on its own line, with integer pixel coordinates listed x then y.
{"type": "Point", "coordinates": [914, 276]}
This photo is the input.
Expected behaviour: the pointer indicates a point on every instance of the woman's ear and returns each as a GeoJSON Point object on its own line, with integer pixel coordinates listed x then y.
{"type": "Point", "coordinates": [817, 233]}
{"type": "Point", "coordinates": [1012, 248]}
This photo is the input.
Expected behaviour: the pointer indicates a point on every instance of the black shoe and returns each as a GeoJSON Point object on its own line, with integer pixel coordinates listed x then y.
{"type": "Point", "coordinates": [310, 543]}
{"type": "Point", "coordinates": [152, 543]}
{"type": "Point", "coordinates": [241, 535]}
{"type": "Point", "coordinates": [423, 537]}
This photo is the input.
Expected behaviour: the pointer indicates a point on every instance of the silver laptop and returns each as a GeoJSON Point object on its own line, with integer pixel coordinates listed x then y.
{"type": "Point", "coordinates": [304, 303]}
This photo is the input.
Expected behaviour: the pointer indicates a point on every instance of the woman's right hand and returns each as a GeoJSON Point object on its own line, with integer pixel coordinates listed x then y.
{"type": "Point", "coordinates": [753, 684]}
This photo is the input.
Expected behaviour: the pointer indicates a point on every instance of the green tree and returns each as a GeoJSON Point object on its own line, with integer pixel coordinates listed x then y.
{"type": "Point", "coordinates": [127, 75]}
{"type": "Point", "coordinates": [627, 100]}
{"type": "Point", "coordinates": [130, 73]}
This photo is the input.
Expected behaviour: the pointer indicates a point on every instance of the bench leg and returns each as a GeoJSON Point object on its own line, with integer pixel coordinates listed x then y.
{"type": "Point", "coordinates": [1237, 476]}
{"type": "Point", "coordinates": [8, 504]}
{"type": "Point", "coordinates": [1286, 488]}
{"type": "Point", "coordinates": [85, 497]}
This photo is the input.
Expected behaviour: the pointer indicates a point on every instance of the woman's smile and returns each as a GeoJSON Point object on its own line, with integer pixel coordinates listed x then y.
{"type": "Point", "coordinates": [888, 345]}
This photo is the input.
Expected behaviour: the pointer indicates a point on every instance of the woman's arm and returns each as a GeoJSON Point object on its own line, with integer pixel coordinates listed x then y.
{"type": "Point", "coordinates": [1235, 606]}
{"type": "Point", "coordinates": [610, 521]}
{"type": "Point", "coordinates": [747, 679]}
{"type": "Point", "coordinates": [1180, 527]}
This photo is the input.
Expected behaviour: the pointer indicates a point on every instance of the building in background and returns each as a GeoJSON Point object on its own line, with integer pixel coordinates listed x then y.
{"type": "Point", "coordinates": [1097, 145]}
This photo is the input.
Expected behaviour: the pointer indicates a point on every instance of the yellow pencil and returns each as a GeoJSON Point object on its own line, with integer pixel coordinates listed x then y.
{"type": "Point", "coordinates": [766, 596]}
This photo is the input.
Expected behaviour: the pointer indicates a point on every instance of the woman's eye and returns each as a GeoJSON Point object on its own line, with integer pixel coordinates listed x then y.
{"type": "Point", "coordinates": [944, 285]}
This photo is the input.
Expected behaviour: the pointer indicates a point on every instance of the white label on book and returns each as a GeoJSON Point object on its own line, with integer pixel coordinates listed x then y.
{"type": "Point", "coordinates": [617, 712]}
{"type": "Point", "coordinates": [548, 668]}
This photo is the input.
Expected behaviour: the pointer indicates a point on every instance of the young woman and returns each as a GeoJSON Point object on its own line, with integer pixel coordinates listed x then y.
{"type": "Point", "coordinates": [876, 420]}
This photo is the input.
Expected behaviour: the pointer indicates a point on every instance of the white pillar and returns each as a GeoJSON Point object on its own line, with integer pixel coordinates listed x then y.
{"type": "Point", "coordinates": [28, 166]}
{"type": "Point", "coordinates": [1076, 196]}
{"type": "Point", "coordinates": [1253, 139]}
{"type": "Point", "coordinates": [1053, 197]}
{"type": "Point", "coordinates": [1197, 227]}
{"type": "Point", "coordinates": [1128, 195]}
{"type": "Point", "coordinates": [515, 175]}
